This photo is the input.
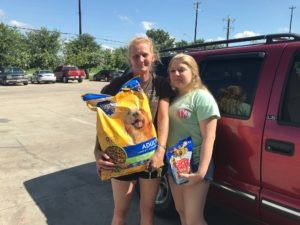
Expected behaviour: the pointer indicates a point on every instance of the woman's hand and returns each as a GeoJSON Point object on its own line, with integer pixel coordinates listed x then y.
{"type": "Point", "coordinates": [157, 160]}
{"type": "Point", "coordinates": [103, 161]}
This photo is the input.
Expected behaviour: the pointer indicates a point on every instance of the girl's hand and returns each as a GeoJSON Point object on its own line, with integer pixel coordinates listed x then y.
{"type": "Point", "coordinates": [193, 178]}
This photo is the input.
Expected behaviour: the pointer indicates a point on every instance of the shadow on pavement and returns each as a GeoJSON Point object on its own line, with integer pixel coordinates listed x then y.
{"type": "Point", "coordinates": [76, 196]}
{"type": "Point", "coordinates": [70, 196]}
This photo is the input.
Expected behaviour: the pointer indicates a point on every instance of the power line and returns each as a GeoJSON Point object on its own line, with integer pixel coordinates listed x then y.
{"type": "Point", "coordinates": [65, 33]}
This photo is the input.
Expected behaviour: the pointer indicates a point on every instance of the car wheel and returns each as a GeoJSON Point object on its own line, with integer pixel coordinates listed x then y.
{"type": "Point", "coordinates": [65, 79]}
{"type": "Point", "coordinates": [25, 83]}
{"type": "Point", "coordinates": [79, 80]}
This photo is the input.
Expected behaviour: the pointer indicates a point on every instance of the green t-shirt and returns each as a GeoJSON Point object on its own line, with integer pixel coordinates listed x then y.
{"type": "Point", "coordinates": [185, 113]}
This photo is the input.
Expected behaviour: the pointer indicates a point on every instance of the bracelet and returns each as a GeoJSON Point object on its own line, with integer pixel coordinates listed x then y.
{"type": "Point", "coordinates": [164, 147]}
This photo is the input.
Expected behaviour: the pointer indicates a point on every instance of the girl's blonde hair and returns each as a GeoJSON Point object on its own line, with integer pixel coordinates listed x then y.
{"type": "Point", "coordinates": [192, 64]}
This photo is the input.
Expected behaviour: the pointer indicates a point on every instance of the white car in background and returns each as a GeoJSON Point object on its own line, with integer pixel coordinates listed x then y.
{"type": "Point", "coordinates": [43, 76]}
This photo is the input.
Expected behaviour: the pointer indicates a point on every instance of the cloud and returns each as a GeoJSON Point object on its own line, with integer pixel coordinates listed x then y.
{"type": "Point", "coordinates": [147, 25]}
{"type": "Point", "coordinates": [246, 34]}
{"type": "Point", "coordinates": [18, 23]}
{"type": "Point", "coordinates": [126, 19]}
{"type": "Point", "coordinates": [2, 13]}
{"type": "Point", "coordinates": [284, 30]}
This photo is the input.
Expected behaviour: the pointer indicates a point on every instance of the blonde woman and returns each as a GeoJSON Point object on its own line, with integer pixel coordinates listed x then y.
{"type": "Point", "coordinates": [141, 56]}
{"type": "Point", "coordinates": [193, 112]}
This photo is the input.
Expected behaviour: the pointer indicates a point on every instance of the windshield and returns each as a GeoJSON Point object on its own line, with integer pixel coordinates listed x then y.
{"type": "Point", "coordinates": [13, 70]}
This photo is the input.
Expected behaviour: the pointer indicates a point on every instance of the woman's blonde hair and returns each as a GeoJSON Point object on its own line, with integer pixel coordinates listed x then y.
{"type": "Point", "coordinates": [192, 64]}
{"type": "Point", "coordinates": [142, 39]}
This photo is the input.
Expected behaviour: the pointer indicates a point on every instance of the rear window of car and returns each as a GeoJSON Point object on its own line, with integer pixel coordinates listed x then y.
{"type": "Point", "coordinates": [45, 71]}
{"type": "Point", "coordinates": [233, 79]}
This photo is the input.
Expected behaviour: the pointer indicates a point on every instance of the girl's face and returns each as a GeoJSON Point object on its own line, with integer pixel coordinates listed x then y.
{"type": "Point", "coordinates": [180, 75]}
{"type": "Point", "coordinates": [141, 58]}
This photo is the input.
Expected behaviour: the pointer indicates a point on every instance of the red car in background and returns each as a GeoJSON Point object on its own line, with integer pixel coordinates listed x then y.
{"type": "Point", "coordinates": [66, 73]}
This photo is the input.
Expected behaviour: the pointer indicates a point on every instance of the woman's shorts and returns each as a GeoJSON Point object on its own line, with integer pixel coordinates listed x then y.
{"type": "Point", "coordinates": [143, 175]}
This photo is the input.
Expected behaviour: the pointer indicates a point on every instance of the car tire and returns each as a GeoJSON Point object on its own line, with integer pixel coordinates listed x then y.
{"type": "Point", "coordinates": [79, 80]}
{"type": "Point", "coordinates": [65, 79]}
{"type": "Point", "coordinates": [25, 83]}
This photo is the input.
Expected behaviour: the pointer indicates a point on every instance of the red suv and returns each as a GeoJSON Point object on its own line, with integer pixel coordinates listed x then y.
{"type": "Point", "coordinates": [257, 148]}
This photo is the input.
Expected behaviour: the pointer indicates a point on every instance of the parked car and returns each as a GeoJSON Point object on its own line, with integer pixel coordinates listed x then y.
{"type": "Point", "coordinates": [256, 153]}
{"type": "Point", "coordinates": [107, 75]}
{"type": "Point", "coordinates": [65, 73]}
{"type": "Point", "coordinates": [12, 75]}
{"type": "Point", "coordinates": [43, 76]}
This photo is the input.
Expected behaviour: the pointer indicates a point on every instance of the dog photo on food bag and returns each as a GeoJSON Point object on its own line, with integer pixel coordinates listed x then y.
{"type": "Point", "coordinates": [138, 125]}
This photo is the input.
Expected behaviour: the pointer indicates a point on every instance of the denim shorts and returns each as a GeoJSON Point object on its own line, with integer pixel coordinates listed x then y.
{"type": "Point", "coordinates": [194, 168]}
{"type": "Point", "coordinates": [209, 173]}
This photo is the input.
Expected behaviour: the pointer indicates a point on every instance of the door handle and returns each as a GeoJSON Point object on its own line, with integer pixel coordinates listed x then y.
{"type": "Point", "coordinates": [280, 147]}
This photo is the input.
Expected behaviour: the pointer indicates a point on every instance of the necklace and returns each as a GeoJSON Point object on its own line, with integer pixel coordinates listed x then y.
{"type": "Point", "coordinates": [145, 84]}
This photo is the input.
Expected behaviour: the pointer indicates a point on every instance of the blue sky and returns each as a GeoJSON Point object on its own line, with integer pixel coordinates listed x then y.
{"type": "Point", "coordinates": [115, 22]}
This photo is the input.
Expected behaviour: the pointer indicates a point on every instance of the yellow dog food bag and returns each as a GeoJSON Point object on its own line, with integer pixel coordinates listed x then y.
{"type": "Point", "coordinates": [124, 128]}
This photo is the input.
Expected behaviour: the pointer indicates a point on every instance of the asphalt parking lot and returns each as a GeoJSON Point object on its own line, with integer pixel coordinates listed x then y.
{"type": "Point", "coordinates": [47, 170]}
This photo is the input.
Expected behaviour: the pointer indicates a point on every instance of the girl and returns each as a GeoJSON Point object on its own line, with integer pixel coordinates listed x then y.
{"type": "Point", "coordinates": [193, 112]}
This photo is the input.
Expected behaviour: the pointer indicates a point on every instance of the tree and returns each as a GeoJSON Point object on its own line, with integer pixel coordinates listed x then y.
{"type": "Point", "coordinates": [12, 47]}
{"type": "Point", "coordinates": [120, 59]}
{"type": "Point", "coordinates": [83, 52]}
{"type": "Point", "coordinates": [181, 43]}
{"type": "Point", "coordinates": [161, 39]}
{"type": "Point", "coordinates": [43, 47]}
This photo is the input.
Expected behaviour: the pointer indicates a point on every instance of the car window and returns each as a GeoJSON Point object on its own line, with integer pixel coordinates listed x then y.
{"type": "Point", "coordinates": [232, 79]}
{"type": "Point", "coordinates": [290, 111]}
{"type": "Point", "coordinates": [45, 71]}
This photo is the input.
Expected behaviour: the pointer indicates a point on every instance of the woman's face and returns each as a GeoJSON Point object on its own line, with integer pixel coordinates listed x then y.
{"type": "Point", "coordinates": [141, 58]}
{"type": "Point", "coordinates": [180, 75]}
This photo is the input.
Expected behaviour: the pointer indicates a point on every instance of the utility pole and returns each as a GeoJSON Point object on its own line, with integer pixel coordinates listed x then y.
{"type": "Point", "coordinates": [291, 19]}
{"type": "Point", "coordinates": [228, 28]}
{"type": "Point", "coordinates": [79, 9]}
{"type": "Point", "coordinates": [196, 20]}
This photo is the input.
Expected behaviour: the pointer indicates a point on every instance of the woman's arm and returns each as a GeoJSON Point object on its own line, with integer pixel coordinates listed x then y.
{"type": "Point", "coordinates": [162, 133]}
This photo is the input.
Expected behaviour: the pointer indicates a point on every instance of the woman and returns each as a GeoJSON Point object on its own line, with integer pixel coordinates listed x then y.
{"type": "Point", "coordinates": [141, 56]}
{"type": "Point", "coordinates": [193, 112]}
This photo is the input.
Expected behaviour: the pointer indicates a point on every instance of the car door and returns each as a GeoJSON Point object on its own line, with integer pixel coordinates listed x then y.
{"type": "Point", "coordinates": [280, 195]}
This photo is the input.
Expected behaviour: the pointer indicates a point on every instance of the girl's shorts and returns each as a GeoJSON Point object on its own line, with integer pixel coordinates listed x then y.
{"type": "Point", "coordinates": [210, 171]}
{"type": "Point", "coordinates": [194, 167]}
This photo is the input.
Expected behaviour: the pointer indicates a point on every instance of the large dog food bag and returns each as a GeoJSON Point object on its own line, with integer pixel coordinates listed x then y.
{"type": "Point", "coordinates": [124, 128]}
